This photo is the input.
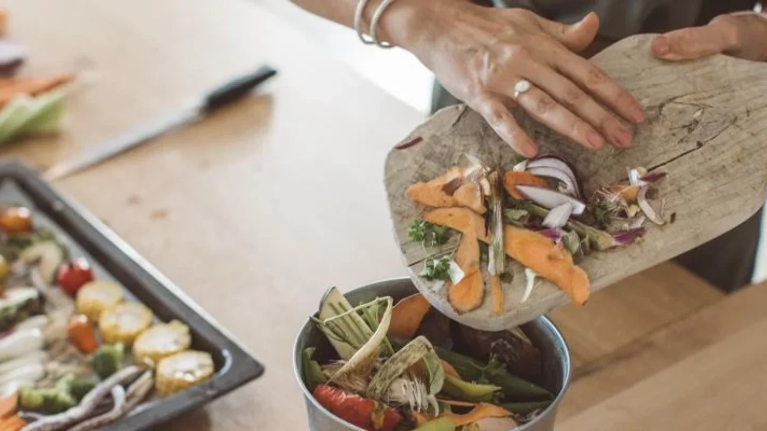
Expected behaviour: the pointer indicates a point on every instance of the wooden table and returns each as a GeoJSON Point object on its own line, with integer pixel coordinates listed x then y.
{"type": "Point", "coordinates": [254, 212]}
{"type": "Point", "coordinates": [704, 372]}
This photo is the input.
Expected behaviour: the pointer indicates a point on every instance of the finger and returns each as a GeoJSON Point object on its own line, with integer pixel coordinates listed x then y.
{"type": "Point", "coordinates": [549, 112]}
{"type": "Point", "coordinates": [595, 82]}
{"type": "Point", "coordinates": [579, 103]}
{"type": "Point", "coordinates": [500, 119]}
{"type": "Point", "coordinates": [576, 37]}
{"type": "Point", "coordinates": [695, 42]}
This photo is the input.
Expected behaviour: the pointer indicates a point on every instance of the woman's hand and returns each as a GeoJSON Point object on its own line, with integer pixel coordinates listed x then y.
{"type": "Point", "coordinates": [742, 35]}
{"type": "Point", "coordinates": [479, 54]}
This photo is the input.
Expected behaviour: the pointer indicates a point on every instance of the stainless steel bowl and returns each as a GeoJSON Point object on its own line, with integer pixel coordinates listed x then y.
{"type": "Point", "coordinates": [543, 333]}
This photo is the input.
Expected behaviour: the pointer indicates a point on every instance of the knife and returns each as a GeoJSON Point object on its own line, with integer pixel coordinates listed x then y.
{"type": "Point", "coordinates": [220, 96]}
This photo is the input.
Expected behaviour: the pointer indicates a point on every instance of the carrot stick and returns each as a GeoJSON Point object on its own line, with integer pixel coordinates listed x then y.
{"type": "Point", "coordinates": [32, 86]}
{"type": "Point", "coordinates": [467, 295]}
{"type": "Point", "coordinates": [9, 405]}
{"type": "Point", "coordinates": [513, 179]}
{"type": "Point", "coordinates": [496, 293]}
{"type": "Point", "coordinates": [407, 316]}
{"type": "Point", "coordinates": [481, 411]}
{"type": "Point", "coordinates": [470, 196]}
{"type": "Point", "coordinates": [529, 248]}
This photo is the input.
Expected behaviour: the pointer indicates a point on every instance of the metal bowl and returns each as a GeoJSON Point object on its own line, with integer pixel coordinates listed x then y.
{"type": "Point", "coordinates": [543, 333]}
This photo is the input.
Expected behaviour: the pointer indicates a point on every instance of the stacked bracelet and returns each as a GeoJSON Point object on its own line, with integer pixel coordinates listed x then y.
{"type": "Point", "coordinates": [358, 17]}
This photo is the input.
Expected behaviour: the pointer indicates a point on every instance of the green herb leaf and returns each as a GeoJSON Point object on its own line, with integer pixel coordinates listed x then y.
{"type": "Point", "coordinates": [572, 242]}
{"type": "Point", "coordinates": [603, 213]}
{"type": "Point", "coordinates": [436, 269]}
{"type": "Point", "coordinates": [428, 234]}
{"type": "Point", "coordinates": [517, 216]}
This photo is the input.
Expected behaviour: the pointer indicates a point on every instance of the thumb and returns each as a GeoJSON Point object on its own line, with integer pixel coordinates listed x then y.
{"type": "Point", "coordinates": [576, 37]}
{"type": "Point", "coordinates": [691, 43]}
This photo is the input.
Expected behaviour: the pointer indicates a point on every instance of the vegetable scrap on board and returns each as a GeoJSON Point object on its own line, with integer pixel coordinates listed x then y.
{"type": "Point", "coordinates": [75, 352]}
{"type": "Point", "coordinates": [377, 369]}
{"type": "Point", "coordinates": [535, 214]}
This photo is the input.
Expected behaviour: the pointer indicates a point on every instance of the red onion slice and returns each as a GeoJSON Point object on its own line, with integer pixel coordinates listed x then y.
{"type": "Point", "coordinates": [559, 216]}
{"type": "Point", "coordinates": [571, 185]}
{"type": "Point", "coordinates": [647, 208]}
{"type": "Point", "coordinates": [553, 234]}
{"type": "Point", "coordinates": [550, 199]}
{"type": "Point", "coordinates": [627, 238]}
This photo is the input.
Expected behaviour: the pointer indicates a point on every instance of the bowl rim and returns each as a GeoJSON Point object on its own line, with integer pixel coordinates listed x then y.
{"type": "Point", "coordinates": [548, 324]}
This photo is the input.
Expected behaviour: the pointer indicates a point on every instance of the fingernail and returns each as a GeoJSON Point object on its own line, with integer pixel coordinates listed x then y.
{"type": "Point", "coordinates": [660, 45]}
{"type": "Point", "coordinates": [638, 115]}
{"type": "Point", "coordinates": [595, 140]}
{"type": "Point", "coordinates": [528, 149]}
{"type": "Point", "coordinates": [622, 138]}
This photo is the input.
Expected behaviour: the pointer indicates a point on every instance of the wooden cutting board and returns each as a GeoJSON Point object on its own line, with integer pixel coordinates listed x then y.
{"type": "Point", "coordinates": [706, 127]}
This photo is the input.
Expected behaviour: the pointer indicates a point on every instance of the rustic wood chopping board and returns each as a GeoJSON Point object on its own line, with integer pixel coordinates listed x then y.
{"type": "Point", "coordinates": [706, 127]}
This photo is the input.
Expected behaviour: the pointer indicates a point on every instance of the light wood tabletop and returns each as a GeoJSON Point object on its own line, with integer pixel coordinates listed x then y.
{"type": "Point", "coordinates": [255, 211]}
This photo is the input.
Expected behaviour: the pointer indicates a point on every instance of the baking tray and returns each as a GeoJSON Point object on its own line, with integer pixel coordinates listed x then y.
{"type": "Point", "coordinates": [112, 258]}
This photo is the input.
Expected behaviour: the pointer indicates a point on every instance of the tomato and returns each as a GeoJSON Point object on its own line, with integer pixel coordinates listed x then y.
{"type": "Point", "coordinates": [16, 220]}
{"type": "Point", "coordinates": [362, 412]}
{"type": "Point", "coordinates": [73, 275]}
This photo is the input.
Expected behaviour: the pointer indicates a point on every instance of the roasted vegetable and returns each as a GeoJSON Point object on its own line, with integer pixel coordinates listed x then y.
{"type": "Point", "coordinates": [81, 334]}
{"type": "Point", "coordinates": [519, 355]}
{"type": "Point", "coordinates": [9, 404]}
{"type": "Point", "coordinates": [17, 305]}
{"type": "Point", "coordinates": [16, 220]}
{"type": "Point", "coordinates": [123, 323]}
{"type": "Point", "coordinates": [96, 297]}
{"type": "Point", "coordinates": [160, 341]}
{"type": "Point", "coordinates": [513, 179]}
{"type": "Point", "coordinates": [183, 370]}
{"type": "Point", "coordinates": [108, 359]}
{"type": "Point", "coordinates": [356, 410]}
{"type": "Point", "coordinates": [77, 387]}
{"type": "Point", "coordinates": [48, 255]}
{"type": "Point", "coordinates": [45, 400]}
{"type": "Point", "coordinates": [20, 343]}
{"type": "Point", "coordinates": [74, 275]}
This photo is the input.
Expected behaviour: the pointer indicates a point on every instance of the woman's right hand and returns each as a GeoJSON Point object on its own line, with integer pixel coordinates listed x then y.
{"type": "Point", "coordinates": [478, 54]}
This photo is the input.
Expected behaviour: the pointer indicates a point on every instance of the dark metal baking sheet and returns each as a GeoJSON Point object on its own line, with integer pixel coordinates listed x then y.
{"type": "Point", "coordinates": [112, 258]}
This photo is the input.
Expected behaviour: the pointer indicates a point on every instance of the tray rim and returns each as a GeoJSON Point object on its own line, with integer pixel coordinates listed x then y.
{"type": "Point", "coordinates": [240, 365]}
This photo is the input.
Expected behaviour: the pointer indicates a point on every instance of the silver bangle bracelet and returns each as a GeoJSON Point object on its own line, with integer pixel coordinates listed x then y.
{"type": "Point", "coordinates": [358, 15]}
{"type": "Point", "coordinates": [374, 24]}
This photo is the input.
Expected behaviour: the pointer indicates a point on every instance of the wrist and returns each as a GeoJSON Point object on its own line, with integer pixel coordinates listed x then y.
{"type": "Point", "coordinates": [411, 24]}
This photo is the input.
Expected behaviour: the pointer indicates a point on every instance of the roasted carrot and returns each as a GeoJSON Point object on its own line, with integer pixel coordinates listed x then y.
{"type": "Point", "coordinates": [81, 334]}
{"type": "Point", "coordinates": [407, 315]}
{"type": "Point", "coordinates": [449, 369]}
{"type": "Point", "coordinates": [13, 423]}
{"type": "Point", "coordinates": [467, 295]}
{"type": "Point", "coordinates": [496, 294]}
{"type": "Point", "coordinates": [31, 86]}
{"type": "Point", "coordinates": [470, 196]}
{"type": "Point", "coordinates": [513, 179]}
{"type": "Point", "coordinates": [529, 248]}
{"type": "Point", "coordinates": [9, 404]}
{"type": "Point", "coordinates": [481, 411]}
{"type": "Point", "coordinates": [629, 193]}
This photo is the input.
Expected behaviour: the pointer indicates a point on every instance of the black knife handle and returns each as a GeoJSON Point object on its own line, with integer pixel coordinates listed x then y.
{"type": "Point", "coordinates": [236, 88]}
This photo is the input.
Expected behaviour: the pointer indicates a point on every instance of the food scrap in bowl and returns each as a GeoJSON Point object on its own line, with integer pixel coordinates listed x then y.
{"type": "Point", "coordinates": [386, 366]}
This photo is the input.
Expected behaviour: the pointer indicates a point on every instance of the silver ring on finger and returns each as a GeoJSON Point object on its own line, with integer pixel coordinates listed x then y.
{"type": "Point", "coordinates": [521, 87]}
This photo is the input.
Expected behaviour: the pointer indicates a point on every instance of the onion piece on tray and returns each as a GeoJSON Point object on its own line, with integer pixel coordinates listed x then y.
{"type": "Point", "coordinates": [550, 199]}
{"type": "Point", "coordinates": [558, 216]}
{"type": "Point", "coordinates": [570, 184]}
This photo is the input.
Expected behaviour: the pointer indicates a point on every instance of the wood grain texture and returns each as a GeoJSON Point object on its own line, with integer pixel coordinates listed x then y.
{"type": "Point", "coordinates": [253, 212]}
{"type": "Point", "coordinates": [706, 127]}
{"type": "Point", "coordinates": [718, 387]}
{"type": "Point", "coordinates": [629, 310]}
{"type": "Point", "coordinates": [654, 351]}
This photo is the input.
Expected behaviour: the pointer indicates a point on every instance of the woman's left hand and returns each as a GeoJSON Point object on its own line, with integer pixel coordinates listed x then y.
{"type": "Point", "coordinates": [741, 34]}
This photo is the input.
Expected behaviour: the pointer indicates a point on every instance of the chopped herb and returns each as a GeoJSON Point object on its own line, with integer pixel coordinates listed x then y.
{"type": "Point", "coordinates": [436, 269]}
{"type": "Point", "coordinates": [603, 213]}
{"type": "Point", "coordinates": [428, 234]}
{"type": "Point", "coordinates": [517, 216]}
{"type": "Point", "coordinates": [572, 242]}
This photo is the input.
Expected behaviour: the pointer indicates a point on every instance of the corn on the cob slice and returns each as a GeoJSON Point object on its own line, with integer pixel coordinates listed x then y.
{"type": "Point", "coordinates": [97, 296]}
{"type": "Point", "coordinates": [181, 371]}
{"type": "Point", "coordinates": [160, 341]}
{"type": "Point", "coordinates": [123, 323]}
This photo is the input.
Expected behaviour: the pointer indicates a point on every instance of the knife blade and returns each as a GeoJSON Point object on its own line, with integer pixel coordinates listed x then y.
{"type": "Point", "coordinates": [220, 96]}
